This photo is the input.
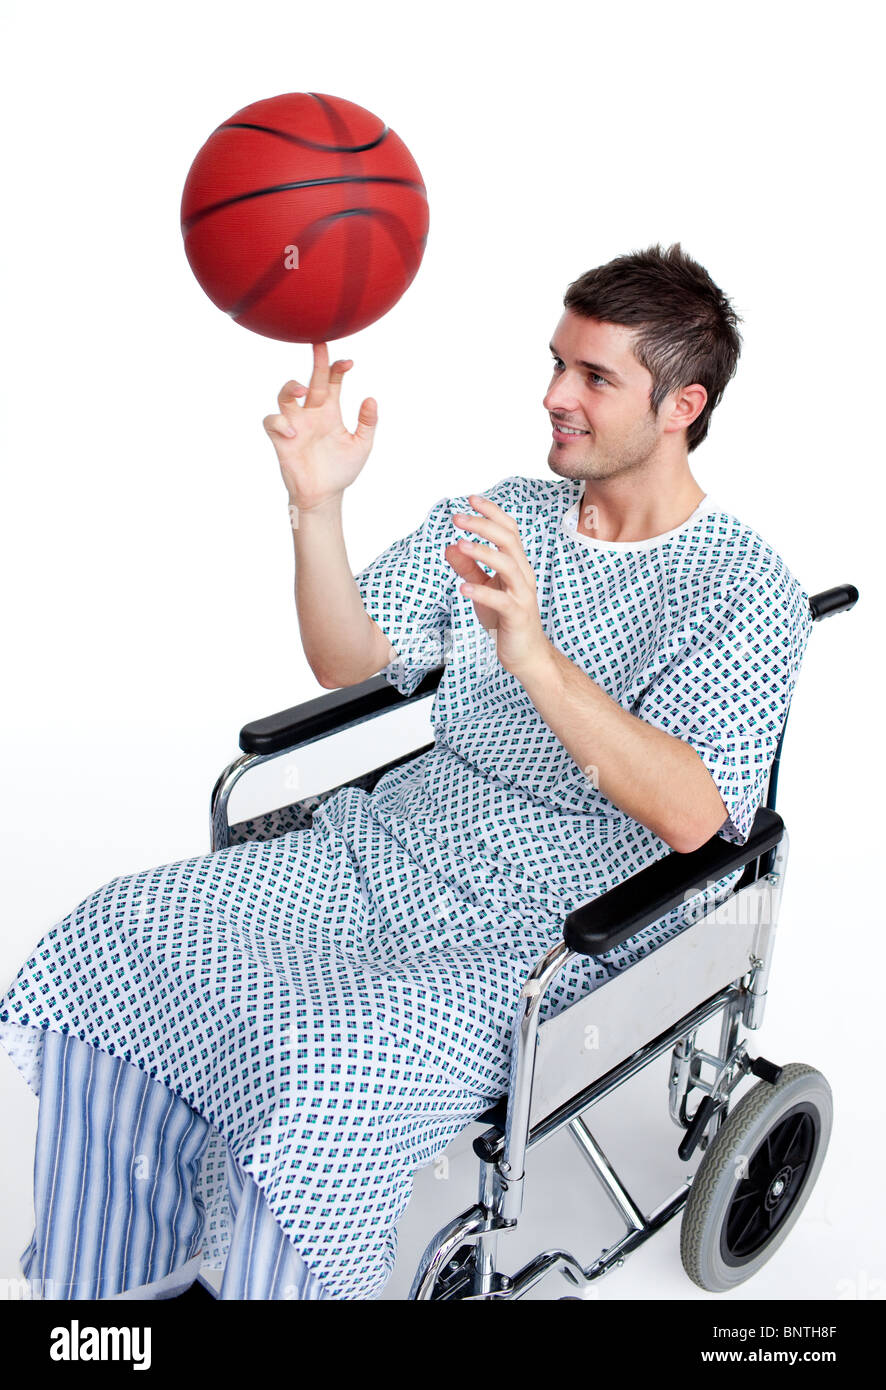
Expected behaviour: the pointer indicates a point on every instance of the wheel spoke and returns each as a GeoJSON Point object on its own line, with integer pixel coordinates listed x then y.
{"type": "Point", "coordinates": [789, 1133]}
{"type": "Point", "coordinates": [777, 1213]}
{"type": "Point", "coordinates": [759, 1170]}
{"type": "Point", "coordinates": [742, 1196]}
{"type": "Point", "coordinates": [752, 1221]}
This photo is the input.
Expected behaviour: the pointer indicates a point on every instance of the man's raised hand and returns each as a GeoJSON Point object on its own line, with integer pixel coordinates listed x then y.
{"type": "Point", "coordinates": [318, 457]}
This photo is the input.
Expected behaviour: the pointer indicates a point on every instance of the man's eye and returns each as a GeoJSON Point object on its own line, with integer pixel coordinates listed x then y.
{"type": "Point", "coordinates": [557, 364]}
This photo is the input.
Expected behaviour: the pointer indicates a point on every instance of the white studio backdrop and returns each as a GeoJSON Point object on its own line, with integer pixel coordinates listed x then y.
{"type": "Point", "coordinates": [148, 569]}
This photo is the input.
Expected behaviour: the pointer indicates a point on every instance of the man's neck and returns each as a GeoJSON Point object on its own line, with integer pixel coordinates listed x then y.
{"type": "Point", "coordinates": [635, 515]}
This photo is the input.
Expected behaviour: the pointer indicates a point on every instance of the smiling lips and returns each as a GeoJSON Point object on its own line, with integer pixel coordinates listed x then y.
{"type": "Point", "coordinates": [564, 433]}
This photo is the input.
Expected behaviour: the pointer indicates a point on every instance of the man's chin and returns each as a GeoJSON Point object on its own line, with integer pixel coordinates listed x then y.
{"type": "Point", "coordinates": [572, 467]}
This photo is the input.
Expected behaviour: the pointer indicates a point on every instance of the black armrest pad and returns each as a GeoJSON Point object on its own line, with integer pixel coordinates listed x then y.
{"type": "Point", "coordinates": [324, 715]}
{"type": "Point", "coordinates": [831, 601]}
{"type": "Point", "coordinates": [646, 896]}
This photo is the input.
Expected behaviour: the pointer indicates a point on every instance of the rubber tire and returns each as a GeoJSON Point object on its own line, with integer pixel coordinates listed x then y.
{"type": "Point", "coordinates": [717, 1178]}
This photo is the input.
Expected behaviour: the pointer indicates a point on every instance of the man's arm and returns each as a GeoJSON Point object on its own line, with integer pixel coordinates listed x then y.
{"type": "Point", "coordinates": [652, 776]}
{"type": "Point", "coordinates": [342, 643]}
{"type": "Point", "coordinates": [318, 460]}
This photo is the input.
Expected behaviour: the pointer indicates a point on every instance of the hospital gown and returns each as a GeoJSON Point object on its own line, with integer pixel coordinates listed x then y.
{"type": "Point", "coordinates": [338, 1002]}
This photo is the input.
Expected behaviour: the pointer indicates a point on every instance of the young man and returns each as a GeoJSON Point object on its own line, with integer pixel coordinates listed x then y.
{"type": "Point", "coordinates": [308, 1020]}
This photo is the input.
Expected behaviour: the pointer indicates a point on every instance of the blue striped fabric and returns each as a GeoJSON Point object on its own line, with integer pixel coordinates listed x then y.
{"type": "Point", "coordinates": [116, 1159]}
{"type": "Point", "coordinates": [261, 1262]}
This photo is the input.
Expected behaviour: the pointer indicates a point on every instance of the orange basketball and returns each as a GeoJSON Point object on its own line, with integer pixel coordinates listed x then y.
{"type": "Point", "coordinates": [304, 217]}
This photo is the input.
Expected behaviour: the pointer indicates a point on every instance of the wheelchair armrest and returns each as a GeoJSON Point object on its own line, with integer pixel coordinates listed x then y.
{"type": "Point", "coordinates": [328, 713]}
{"type": "Point", "coordinates": [646, 896]}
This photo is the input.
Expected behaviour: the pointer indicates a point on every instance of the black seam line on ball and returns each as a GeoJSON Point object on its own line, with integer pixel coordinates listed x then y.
{"type": "Point", "coordinates": [301, 140]}
{"type": "Point", "coordinates": [338, 124]}
{"type": "Point", "coordinates": [397, 230]}
{"type": "Point", "coordinates": [271, 277]}
{"type": "Point", "coordinates": [357, 228]}
{"type": "Point", "coordinates": [333, 115]}
{"type": "Point", "coordinates": [195, 217]}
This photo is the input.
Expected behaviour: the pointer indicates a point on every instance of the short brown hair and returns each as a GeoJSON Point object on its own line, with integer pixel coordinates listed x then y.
{"type": "Point", "coordinates": [686, 328]}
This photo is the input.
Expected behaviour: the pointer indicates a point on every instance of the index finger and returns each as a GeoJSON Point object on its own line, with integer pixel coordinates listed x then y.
{"type": "Point", "coordinates": [319, 383]}
{"type": "Point", "coordinates": [487, 507]}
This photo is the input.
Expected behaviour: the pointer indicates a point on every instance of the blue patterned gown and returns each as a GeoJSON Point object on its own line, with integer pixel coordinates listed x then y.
{"type": "Point", "coordinates": [338, 1002]}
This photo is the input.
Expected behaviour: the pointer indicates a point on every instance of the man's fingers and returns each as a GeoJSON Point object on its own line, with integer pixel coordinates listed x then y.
{"type": "Point", "coordinates": [465, 566]}
{"type": "Point", "coordinates": [504, 534]}
{"type": "Point", "coordinates": [289, 394]}
{"type": "Point", "coordinates": [336, 375]}
{"type": "Point", "coordinates": [319, 383]}
{"type": "Point", "coordinates": [485, 506]}
{"type": "Point", "coordinates": [480, 529]}
{"type": "Point", "coordinates": [279, 427]}
{"type": "Point", "coordinates": [367, 419]}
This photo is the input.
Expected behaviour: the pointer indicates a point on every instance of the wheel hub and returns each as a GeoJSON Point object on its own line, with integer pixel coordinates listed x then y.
{"type": "Point", "coordinates": [779, 1186]}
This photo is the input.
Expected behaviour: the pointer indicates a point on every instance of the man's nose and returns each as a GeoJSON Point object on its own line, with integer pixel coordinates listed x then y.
{"type": "Point", "coordinates": [560, 396]}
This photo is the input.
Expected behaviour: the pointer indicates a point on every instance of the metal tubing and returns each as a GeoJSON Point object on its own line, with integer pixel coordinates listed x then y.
{"type": "Point", "coordinates": [487, 1242]}
{"type": "Point", "coordinates": [681, 1065]}
{"type": "Point", "coordinates": [755, 1000]}
{"type": "Point", "coordinates": [523, 1050]}
{"type": "Point", "coordinates": [612, 1186]}
{"type": "Point", "coordinates": [453, 1236]}
{"type": "Point", "coordinates": [221, 795]}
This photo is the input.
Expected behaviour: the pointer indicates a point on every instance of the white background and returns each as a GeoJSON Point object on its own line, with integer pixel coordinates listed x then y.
{"type": "Point", "coordinates": [148, 561]}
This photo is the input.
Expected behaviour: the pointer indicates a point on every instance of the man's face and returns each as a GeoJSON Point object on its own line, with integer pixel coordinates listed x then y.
{"type": "Point", "coordinates": [600, 388]}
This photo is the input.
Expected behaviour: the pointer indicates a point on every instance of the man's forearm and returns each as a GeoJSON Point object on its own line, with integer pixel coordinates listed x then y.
{"type": "Point", "coordinates": [652, 776]}
{"type": "Point", "coordinates": [341, 643]}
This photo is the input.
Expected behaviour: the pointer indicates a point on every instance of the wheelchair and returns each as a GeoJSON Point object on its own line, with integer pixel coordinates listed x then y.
{"type": "Point", "coordinates": [760, 1159]}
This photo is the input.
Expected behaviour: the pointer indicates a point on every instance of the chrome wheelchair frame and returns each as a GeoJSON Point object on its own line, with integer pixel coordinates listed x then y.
{"type": "Point", "coordinates": [760, 1162]}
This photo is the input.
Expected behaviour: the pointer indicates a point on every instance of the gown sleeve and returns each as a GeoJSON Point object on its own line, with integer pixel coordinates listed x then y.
{"type": "Point", "coordinates": [728, 691]}
{"type": "Point", "coordinates": [408, 591]}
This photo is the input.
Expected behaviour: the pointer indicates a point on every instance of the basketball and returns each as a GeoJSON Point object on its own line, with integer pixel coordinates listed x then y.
{"type": "Point", "coordinates": [304, 217]}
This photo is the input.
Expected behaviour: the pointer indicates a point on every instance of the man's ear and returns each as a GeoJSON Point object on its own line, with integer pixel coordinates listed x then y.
{"type": "Point", "coordinates": [686, 406]}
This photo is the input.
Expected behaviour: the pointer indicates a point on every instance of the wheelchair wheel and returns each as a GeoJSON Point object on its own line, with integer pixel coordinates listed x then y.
{"type": "Point", "coordinates": [755, 1178]}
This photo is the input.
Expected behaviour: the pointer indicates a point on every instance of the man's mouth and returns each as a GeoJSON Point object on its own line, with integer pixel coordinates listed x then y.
{"type": "Point", "coordinates": [564, 433]}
